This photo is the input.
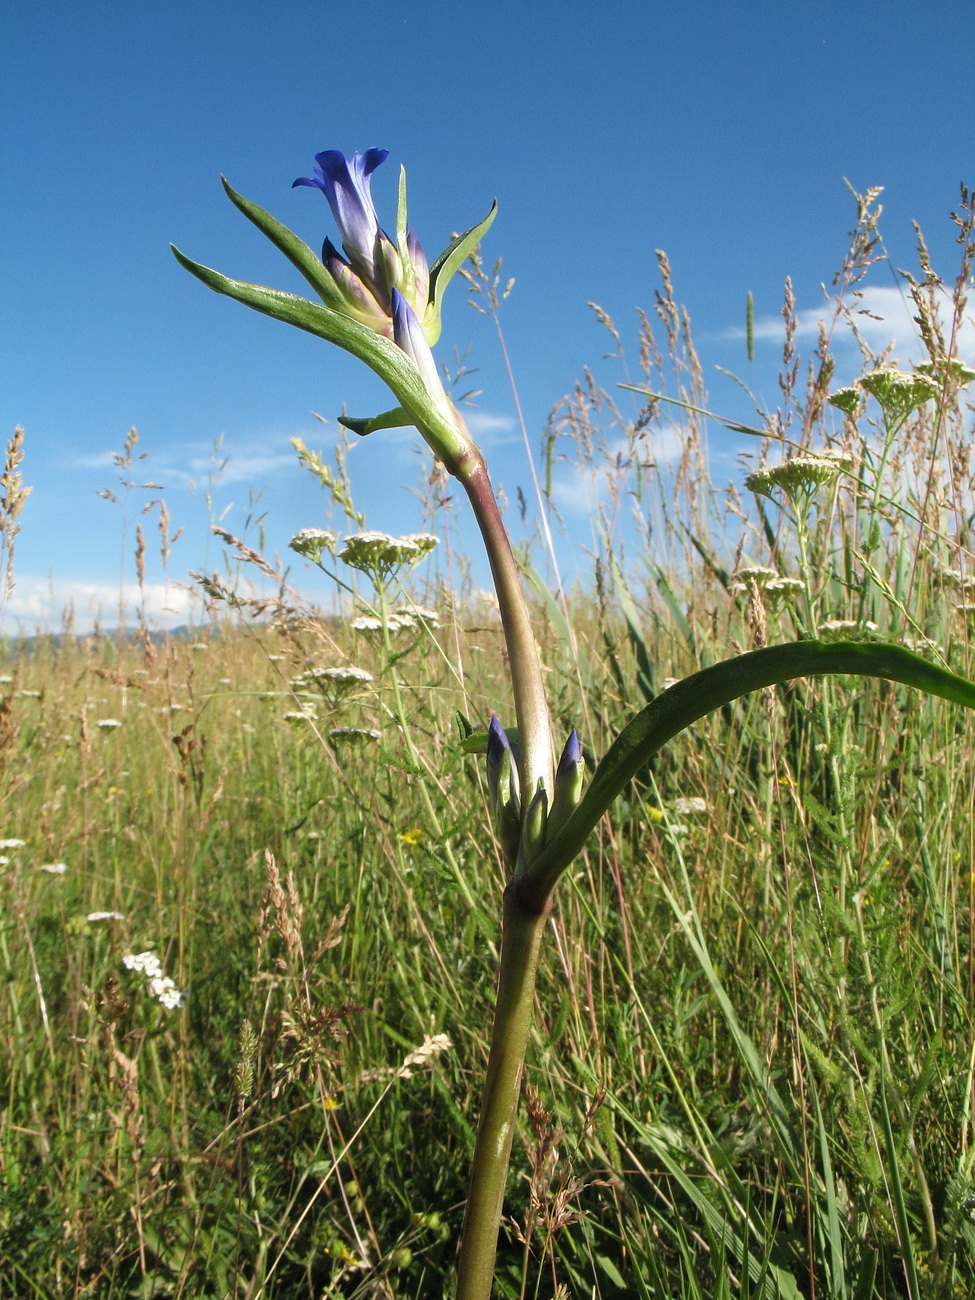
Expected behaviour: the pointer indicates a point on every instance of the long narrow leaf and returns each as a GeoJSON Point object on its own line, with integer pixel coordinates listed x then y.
{"type": "Point", "coordinates": [702, 693]}
{"type": "Point", "coordinates": [295, 250]}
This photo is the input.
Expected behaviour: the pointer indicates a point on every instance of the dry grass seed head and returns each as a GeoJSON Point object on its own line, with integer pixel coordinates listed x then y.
{"type": "Point", "coordinates": [11, 502]}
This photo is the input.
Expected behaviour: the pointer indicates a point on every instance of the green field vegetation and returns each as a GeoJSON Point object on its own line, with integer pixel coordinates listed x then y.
{"type": "Point", "coordinates": [752, 1067]}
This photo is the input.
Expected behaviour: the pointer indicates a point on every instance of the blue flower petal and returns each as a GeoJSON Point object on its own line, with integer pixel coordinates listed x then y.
{"type": "Point", "coordinates": [345, 183]}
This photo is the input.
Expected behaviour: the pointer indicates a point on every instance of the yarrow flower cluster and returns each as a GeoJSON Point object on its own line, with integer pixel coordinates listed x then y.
{"type": "Point", "coordinates": [840, 629]}
{"type": "Point", "coordinates": [955, 580]}
{"type": "Point", "coordinates": [305, 714]}
{"type": "Point", "coordinates": [685, 805]}
{"type": "Point", "coordinates": [353, 735]}
{"type": "Point", "coordinates": [899, 392]}
{"type": "Point", "coordinates": [758, 574]}
{"type": "Point", "coordinates": [400, 620]}
{"type": "Point", "coordinates": [312, 543]}
{"type": "Point", "coordinates": [768, 582]}
{"type": "Point", "coordinates": [339, 680]}
{"type": "Point", "coordinates": [160, 986]}
{"type": "Point", "coordinates": [380, 555]}
{"type": "Point", "coordinates": [800, 477]}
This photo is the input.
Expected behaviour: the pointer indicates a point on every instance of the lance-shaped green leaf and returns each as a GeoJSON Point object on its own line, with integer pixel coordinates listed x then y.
{"type": "Point", "coordinates": [394, 419]}
{"type": "Point", "coordinates": [712, 688]}
{"type": "Point", "coordinates": [295, 250]}
{"type": "Point", "coordinates": [382, 355]}
{"type": "Point", "coordinates": [451, 259]}
{"type": "Point", "coordinates": [403, 245]}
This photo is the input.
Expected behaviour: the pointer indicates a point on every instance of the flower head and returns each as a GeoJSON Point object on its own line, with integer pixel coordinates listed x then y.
{"type": "Point", "coordinates": [843, 629]}
{"type": "Point", "coordinates": [569, 779]}
{"type": "Point", "coordinates": [357, 285]}
{"type": "Point", "coordinates": [505, 789]}
{"type": "Point", "coordinates": [345, 183]}
{"type": "Point", "coordinates": [898, 393]}
{"type": "Point", "coordinates": [799, 478]}
{"type": "Point", "coordinates": [313, 543]}
{"type": "Point", "coordinates": [353, 735]}
{"type": "Point", "coordinates": [380, 555]}
{"type": "Point", "coordinates": [846, 400]}
{"type": "Point", "coordinates": [376, 267]}
{"type": "Point", "coordinates": [498, 746]}
{"type": "Point", "coordinates": [159, 985]}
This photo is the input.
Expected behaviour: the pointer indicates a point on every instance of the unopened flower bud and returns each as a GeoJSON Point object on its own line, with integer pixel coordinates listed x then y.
{"type": "Point", "coordinates": [409, 336]}
{"type": "Point", "coordinates": [503, 783]}
{"type": "Point", "coordinates": [500, 764]}
{"type": "Point", "coordinates": [533, 824]}
{"type": "Point", "coordinates": [569, 779]}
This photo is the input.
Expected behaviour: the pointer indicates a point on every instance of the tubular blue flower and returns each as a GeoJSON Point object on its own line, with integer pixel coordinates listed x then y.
{"type": "Point", "coordinates": [497, 745]}
{"type": "Point", "coordinates": [376, 265]}
{"type": "Point", "coordinates": [408, 334]}
{"type": "Point", "coordinates": [502, 771]}
{"type": "Point", "coordinates": [569, 779]}
{"type": "Point", "coordinates": [345, 183]}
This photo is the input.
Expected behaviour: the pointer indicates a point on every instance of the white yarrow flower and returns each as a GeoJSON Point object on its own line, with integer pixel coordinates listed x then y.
{"type": "Point", "coordinates": [690, 804]}
{"type": "Point", "coordinates": [146, 962]}
{"type": "Point", "coordinates": [159, 985]}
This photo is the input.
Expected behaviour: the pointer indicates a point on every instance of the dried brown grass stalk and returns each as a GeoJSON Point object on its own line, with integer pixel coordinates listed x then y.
{"type": "Point", "coordinates": [11, 504]}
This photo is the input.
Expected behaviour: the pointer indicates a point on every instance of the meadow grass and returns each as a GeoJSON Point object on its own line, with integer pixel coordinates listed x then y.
{"type": "Point", "coordinates": [752, 1066]}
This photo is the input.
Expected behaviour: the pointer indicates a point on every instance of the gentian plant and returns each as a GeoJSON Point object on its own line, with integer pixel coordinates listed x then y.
{"type": "Point", "coordinates": [381, 301]}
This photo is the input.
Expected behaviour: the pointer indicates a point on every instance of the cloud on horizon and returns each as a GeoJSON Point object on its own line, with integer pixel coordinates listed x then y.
{"type": "Point", "coordinates": [883, 315]}
{"type": "Point", "coordinates": [43, 605]}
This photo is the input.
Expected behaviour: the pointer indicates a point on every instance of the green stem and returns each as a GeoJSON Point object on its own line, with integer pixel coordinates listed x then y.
{"type": "Point", "coordinates": [522, 936]}
{"type": "Point", "coordinates": [522, 927]}
{"type": "Point", "coordinates": [531, 706]}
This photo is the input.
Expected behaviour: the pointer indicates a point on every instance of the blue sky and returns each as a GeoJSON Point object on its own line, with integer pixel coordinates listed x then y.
{"type": "Point", "coordinates": [718, 132]}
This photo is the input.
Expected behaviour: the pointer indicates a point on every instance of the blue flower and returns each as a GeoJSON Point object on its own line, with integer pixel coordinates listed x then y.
{"type": "Point", "coordinates": [409, 336]}
{"type": "Point", "coordinates": [569, 780]}
{"type": "Point", "coordinates": [497, 746]}
{"type": "Point", "coordinates": [503, 784]}
{"type": "Point", "coordinates": [345, 183]}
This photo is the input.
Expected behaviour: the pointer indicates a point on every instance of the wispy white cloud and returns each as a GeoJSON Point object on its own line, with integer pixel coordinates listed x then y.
{"type": "Point", "coordinates": [882, 315]}
{"type": "Point", "coordinates": [192, 463]}
{"type": "Point", "coordinates": [94, 459]}
{"type": "Point", "coordinates": [489, 426]}
{"type": "Point", "coordinates": [40, 604]}
{"type": "Point", "coordinates": [582, 489]}
{"type": "Point", "coordinates": [241, 468]}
